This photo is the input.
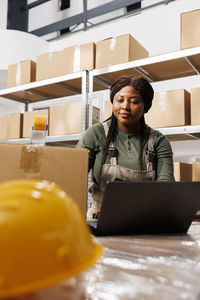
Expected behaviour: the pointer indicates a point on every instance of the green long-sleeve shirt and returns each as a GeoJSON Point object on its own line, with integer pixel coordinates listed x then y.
{"type": "Point", "coordinates": [127, 146]}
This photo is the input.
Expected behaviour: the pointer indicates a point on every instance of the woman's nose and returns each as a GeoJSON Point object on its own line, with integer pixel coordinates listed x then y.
{"type": "Point", "coordinates": [125, 104]}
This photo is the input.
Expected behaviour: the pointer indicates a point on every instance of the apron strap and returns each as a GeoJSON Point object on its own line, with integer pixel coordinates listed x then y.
{"type": "Point", "coordinates": [113, 159]}
{"type": "Point", "coordinates": [149, 155]}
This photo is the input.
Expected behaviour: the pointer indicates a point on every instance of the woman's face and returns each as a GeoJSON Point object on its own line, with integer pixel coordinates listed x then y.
{"type": "Point", "coordinates": [128, 108]}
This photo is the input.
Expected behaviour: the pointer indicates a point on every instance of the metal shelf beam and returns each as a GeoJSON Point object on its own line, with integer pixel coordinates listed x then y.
{"type": "Point", "coordinates": [49, 139]}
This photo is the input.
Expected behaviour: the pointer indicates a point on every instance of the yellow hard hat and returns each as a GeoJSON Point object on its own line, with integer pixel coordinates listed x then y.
{"type": "Point", "coordinates": [43, 237]}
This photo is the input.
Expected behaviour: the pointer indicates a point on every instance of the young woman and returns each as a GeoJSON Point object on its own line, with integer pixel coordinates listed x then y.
{"type": "Point", "coordinates": [123, 147]}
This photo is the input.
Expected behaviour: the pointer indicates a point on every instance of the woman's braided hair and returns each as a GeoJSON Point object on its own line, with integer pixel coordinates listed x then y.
{"type": "Point", "coordinates": [145, 90]}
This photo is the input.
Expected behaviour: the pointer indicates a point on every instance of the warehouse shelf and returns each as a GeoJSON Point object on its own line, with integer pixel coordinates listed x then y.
{"type": "Point", "coordinates": [172, 65]}
{"type": "Point", "coordinates": [52, 89]}
{"type": "Point", "coordinates": [190, 132]}
{"type": "Point", "coordinates": [47, 89]}
{"type": "Point", "coordinates": [69, 139]}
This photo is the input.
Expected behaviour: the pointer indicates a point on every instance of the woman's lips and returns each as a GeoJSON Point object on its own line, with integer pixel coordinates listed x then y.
{"type": "Point", "coordinates": [124, 115]}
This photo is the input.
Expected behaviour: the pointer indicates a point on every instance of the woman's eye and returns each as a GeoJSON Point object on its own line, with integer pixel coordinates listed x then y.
{"type": "Point", "coordinates": [133, 101]}
{"type": "Point", "coordinates": [120, 100]}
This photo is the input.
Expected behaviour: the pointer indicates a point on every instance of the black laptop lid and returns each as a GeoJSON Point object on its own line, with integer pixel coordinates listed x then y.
{"type": "Point", "coordinates": [148, 207]}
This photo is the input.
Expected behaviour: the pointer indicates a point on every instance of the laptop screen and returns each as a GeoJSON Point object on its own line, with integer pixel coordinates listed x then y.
{"type": "Point", "coordinates": [148, 207]}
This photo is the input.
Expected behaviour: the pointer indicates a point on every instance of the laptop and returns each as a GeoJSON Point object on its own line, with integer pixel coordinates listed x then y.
{"type": "Point", "coordinates": [130, 207]}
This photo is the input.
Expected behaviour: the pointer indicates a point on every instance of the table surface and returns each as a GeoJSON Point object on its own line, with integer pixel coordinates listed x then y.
{"type": "Point", "coordinates": [136, 267]}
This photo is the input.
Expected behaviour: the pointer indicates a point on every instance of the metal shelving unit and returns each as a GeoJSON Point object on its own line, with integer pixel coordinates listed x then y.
{"type": "Point", "coordinates": [61, 139]}
{"type": "Point", "coordinates": [158, 68]}
{"type": "Point", "coordinates": [52, 89]}
{"type": "Point", "coordinates": [172, 65]}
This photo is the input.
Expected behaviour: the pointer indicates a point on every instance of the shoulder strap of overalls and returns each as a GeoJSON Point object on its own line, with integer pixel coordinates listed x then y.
{"type": "Point", "coordinates": [149, 155]}
{"type": "Point", "coordinates": [113, 160]}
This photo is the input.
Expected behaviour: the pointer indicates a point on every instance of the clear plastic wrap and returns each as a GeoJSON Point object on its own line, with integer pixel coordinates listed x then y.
{"type": "Point", "coordinates": [136, 267]}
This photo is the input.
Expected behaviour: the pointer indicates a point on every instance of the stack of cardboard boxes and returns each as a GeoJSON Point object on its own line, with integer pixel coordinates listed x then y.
{"type": "Point", "coordinates": [62, 120]}
{"type": "Point", "coordinates": [111, 51]}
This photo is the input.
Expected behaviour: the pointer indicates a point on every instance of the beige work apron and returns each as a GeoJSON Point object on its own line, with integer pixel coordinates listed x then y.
{"type": "Point", "coordinates": [113, 171]}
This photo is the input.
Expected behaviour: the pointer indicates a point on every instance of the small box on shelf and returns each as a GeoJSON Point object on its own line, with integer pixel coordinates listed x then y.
{"type": "Point", "coordinates": [195, 106]}
{"type": "Point", "coordinates": [196, 171]}
{"type": "Point", "coordinates": [21, 73]}
{"type": "Point", "coordinates": [118, 50]}
{"type": "Point", "coordinates": [190, 24]}
{"type": "Point", "coordinates": [67, 61]}
{"type": "Point", "coordinates": [11, 126]}
{"type": "Point", "coordinates": [182, 171]}
{"type": "Point", "coordinates": [107, 109]}
{"type": "Point", "coordinates": [67, 118]}
{"type": "Point", "coordinates": [170, 108]}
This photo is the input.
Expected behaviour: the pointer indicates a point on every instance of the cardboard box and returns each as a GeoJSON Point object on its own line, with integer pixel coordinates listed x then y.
{"type": "Point", "coordinates": [67, 118]}
{"type": "Point", "coordinates": [49, 65]}
{"type": "Point", "coordinates": [11, 126]}
{"type": "Point", "coordinates": [21, 73]}
{"type": "Point", "coordinates": [118, 50]}
{"type": "Point", "coordinates": [190, 24]}
{"type": "Point", "coordinates": [182, 171]}
{"type": "Point", "coordinates": [196, 171]}
{"type": "Point", "coordinates": [107, 109]}
{"type": "Point", "coordinates": [83, 57]}
{"type": "Point", "coordinates": [171, 108]}
{"type": "Point", "coordinates": [29, 118]}
{"type": "Point", "coordinates": [65, 166]}
{"type": "Point", "coordinates": [195, 106]}
{"type": "Point", "coordinates": [70, 60]}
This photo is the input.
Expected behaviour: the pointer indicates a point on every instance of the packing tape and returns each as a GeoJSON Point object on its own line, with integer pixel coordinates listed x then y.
{"type": "Point", "coordinates": [18, 74]}
{"type": "Point", "coordinates": [39, 122]}
{"type": "Point", "coordinates": [30, 161]}
{"type": "Point", "coordinates": [50, 56]}
{"type": "Point", "coordinates": [77, 59]}
{"type": "Point", "coordinates": [162, 101]}
{"type": "Point", "coordinates": [113, 42]}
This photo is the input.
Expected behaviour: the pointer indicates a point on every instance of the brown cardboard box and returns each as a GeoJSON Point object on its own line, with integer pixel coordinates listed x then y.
{"type": "Point", "coordinates": [66, 118]}
{"type": "Point", "coordinates": [118, 50]}
{"type": "Point", "coordinates": [67, 61]}
{"type": "Point", "coordinates": [21, 73]}
{"type": "Point", "coordinates": [182, 171]}
{"type": "Point", "coordinates": [107, 109]}
{"type": "Point", "coordinates": [4, 121]}
{"type": "Point", "coordinates": [195, 106]}
{"type": "Point", "coordinates": [82, 57]}
{"type": "Point", "coordinates": [171, 108]}
{"type": "Point", "coordinates": [11, 126]}
{"type": "Point", "coordinates": [29, 118]}
{"type": "Point", "coordinates": [49, 65]}
{"type": "Point", "coordinates": [196, 171]}
{"type": "Point", "coordinates": [65, 166]}
{"type": "Point", "coordinates": [190, 24]}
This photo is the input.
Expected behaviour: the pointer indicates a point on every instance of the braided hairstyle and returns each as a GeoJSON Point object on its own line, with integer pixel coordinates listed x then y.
{"type": "Point", "coordinates": [145, 90]}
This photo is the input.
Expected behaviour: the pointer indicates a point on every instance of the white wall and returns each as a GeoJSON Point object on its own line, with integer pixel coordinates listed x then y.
{"type": "Point", "coordinates": [18, 45]}
{"type": "Point", "coordinates": [3, 10]}
{"type": "Point", "coordinates": [157, 29]}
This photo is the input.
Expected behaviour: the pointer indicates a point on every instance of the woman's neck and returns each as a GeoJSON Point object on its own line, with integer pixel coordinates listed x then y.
{"type": "Point", "coordinates": [130, 129]}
